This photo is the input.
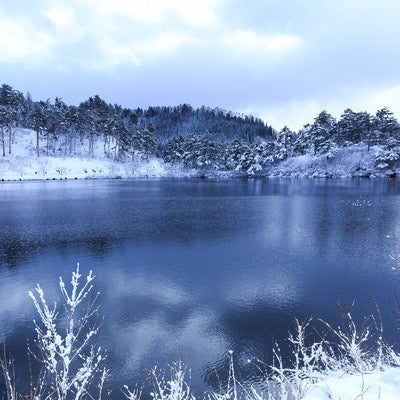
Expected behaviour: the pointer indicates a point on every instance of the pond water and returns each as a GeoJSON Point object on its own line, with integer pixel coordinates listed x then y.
{"type": "Point", "coordinates": [193, 268]}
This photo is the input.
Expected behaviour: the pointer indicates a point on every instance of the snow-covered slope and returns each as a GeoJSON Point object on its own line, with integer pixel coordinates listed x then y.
{"type": "Point", "coordinates": [23, 163]}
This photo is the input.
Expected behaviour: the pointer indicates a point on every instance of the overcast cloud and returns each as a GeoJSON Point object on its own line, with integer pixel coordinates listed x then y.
{"type": "Point", "coordinates": [282, 60]}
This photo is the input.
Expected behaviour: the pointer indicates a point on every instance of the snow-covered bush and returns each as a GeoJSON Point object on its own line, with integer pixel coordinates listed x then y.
{"type": "Point", "coordinates": [173, 388]}
{"type": "Point", "coordinates": [72, 366]}
{"type": "Point", "coordinates": [318, 353]}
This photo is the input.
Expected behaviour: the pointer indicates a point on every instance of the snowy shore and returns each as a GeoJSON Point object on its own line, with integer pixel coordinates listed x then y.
{"type": "Point", "coordinates": [24, 164]}
{"type": "Point", "coordinates": [383, 385]}
{"type": "Point", "coordinates": [58, 168]}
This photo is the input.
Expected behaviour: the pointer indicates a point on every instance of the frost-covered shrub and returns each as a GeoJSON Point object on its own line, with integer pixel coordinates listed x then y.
{"type": "Point", "coordinates": [72, 365]}
{"type": "Point", "coordinates": [318, 352]}
{"type": "Point", "coordinates": [386, 157]}
{"type": "Point", "coordinates": [173, 388]}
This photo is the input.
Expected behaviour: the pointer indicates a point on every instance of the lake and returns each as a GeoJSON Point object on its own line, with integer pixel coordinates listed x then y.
{"type": "Point", "coordinates": [194, 268]}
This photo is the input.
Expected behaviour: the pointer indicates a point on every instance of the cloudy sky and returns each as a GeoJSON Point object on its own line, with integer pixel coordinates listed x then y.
{"type": "Point", "coordinates": [281, 60]}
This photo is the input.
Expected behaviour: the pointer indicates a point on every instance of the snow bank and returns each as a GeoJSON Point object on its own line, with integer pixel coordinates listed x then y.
{"type": "Point", "coordinates": [21, 168]}
{"type": "Point", "coordinates": [384, 385]}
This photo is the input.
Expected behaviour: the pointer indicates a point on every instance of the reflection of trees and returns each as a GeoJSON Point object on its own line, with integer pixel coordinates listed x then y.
{"type": "Point", "coordinates": [14, 252]}
{"type": "Point", "coordinates": [99, 244]}
{"type": "Point", "coordinates": [180, 214]}
{"type": "Point", "coordinates": [185, 212]}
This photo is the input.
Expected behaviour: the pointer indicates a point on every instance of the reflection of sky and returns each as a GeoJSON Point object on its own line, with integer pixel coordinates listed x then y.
{"type": "Point", "coordinates": [247, 258]}
{"type": "Point", "coordinates": [14, 303]}
{"type": "Point", "coordinates": [16, 307]}
{"type": "Point", "coordinates": [280, 291]}
{"type": "Point", "coordinates": [153, 319]}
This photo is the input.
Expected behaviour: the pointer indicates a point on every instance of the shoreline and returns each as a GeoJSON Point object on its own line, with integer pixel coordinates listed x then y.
{"type": "Point", "coordinates": [356, 161]}
{"type": "Point", "coordinates": [203, 177]}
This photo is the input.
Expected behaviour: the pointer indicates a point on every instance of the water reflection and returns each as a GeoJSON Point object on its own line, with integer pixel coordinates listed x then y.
{"type": "Point", "coordinates": [192, 269]}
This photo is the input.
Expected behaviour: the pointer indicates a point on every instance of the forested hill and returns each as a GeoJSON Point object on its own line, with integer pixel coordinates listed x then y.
{"type": "Point", "coordinates": [204, 139]}
{"type": "Point", "coordinates": [184, 120]}
{"type": "Point", "coordinates": [119, 126]}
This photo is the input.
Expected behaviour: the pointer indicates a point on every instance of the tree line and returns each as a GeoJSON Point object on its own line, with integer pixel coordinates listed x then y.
{"type": "Point", "coordinates": [323, 137]}
{"type": "Point", "coordinates": [203, 138]}
{"type": "Point", "coordinates": [124, 132]}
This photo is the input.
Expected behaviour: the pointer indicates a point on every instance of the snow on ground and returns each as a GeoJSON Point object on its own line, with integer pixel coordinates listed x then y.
{"type": "Point", "coordinates": [379, 385]}
{"type": "Point", "coordinates": [352, 161]}
{"type": "Point", "coordinates": [23, 164]}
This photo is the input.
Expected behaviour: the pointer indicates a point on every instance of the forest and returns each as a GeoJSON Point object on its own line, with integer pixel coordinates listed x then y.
{"type": "Point", "coordinates": [203, 138]}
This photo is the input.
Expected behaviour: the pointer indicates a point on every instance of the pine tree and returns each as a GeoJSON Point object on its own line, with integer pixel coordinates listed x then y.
{"type": "Point", "coordinates": [387, 134]}
{"type": "Point", "coordinates": [302, 141]}
{"type": "Point", "coordinates": [353, 127]}
{"type": "Point", "coordinates": [13, 100]}
{"type": "Point", "coordinates": [5, 118]}
{"type": "Point", "coordinates": [322, 133]}
{"type": "Point", "coordinates": [95, 113]}
{"type": "Point", "coordinates": [237, 156]}
{"type": "Point", "coordinates": [174, 150]}
{"type": "Point", "coordinates": [385, 126]}
{"type": "Point", "coordinates": [283, 144]}
{"type": "Point", "coordinates": [74, 124]}
{"type": "Point", "coordinates": [263, 155]}
{"type": "Point", "coordinates": [39, 122]}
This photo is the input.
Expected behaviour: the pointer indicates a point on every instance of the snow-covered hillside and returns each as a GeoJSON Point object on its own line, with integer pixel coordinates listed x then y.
{"type": "Point", "coordinates": [101, 140]}
{"type": "Point", "coordinates": [24, 164]}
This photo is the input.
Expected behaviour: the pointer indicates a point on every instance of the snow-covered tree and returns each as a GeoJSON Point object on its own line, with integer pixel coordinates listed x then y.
{"type": "Point", "coordinates": [174, 150]}
{"type": "Point", "coordinates": [202, 152]}
{"type": "Point", "coordinates": [238, 156]}
{"type": "Point", "coordinates": [95, 112]}
{"type": "Point", "coordinates": [303, 141]}
{"type": "Point", "coordinates": [262, 154]}
{"type": "Point", "coordinates": [6, 117]}
{"type": "Point", "coordinates": [59, 125]}
{"type": "Point", "coordinates": [39, 118]}
{"type": "Point", "coordinates": [195, 152]}
{"type": "Point", "coordinates": [283, 144]}
{"type": "Point", "coordinates": [353, 127]}
{"type": "Point", "coordinates": [322, 133]}
{"type": "Point", "coordinates": [13, 101]}
{"type": "Point", "coordinates": [385, 126]}
{"type": "Point", "coordinates": [75, 127]}
{"type": "Point", "coordinates": [143, 142]}
{"type": "Point", "coordinates": [387, 134]}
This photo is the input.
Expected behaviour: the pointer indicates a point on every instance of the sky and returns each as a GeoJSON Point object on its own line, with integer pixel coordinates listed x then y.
{"type": "Point", "coordinates": [281, 60]}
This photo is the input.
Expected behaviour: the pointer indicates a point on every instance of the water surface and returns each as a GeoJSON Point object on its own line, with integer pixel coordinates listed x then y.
{"type": "Point", "coordinates": [191, 269]}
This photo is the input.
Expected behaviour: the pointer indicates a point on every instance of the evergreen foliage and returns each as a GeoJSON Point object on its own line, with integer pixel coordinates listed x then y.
{"type": "Point", "coordinates": [203, 138]}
